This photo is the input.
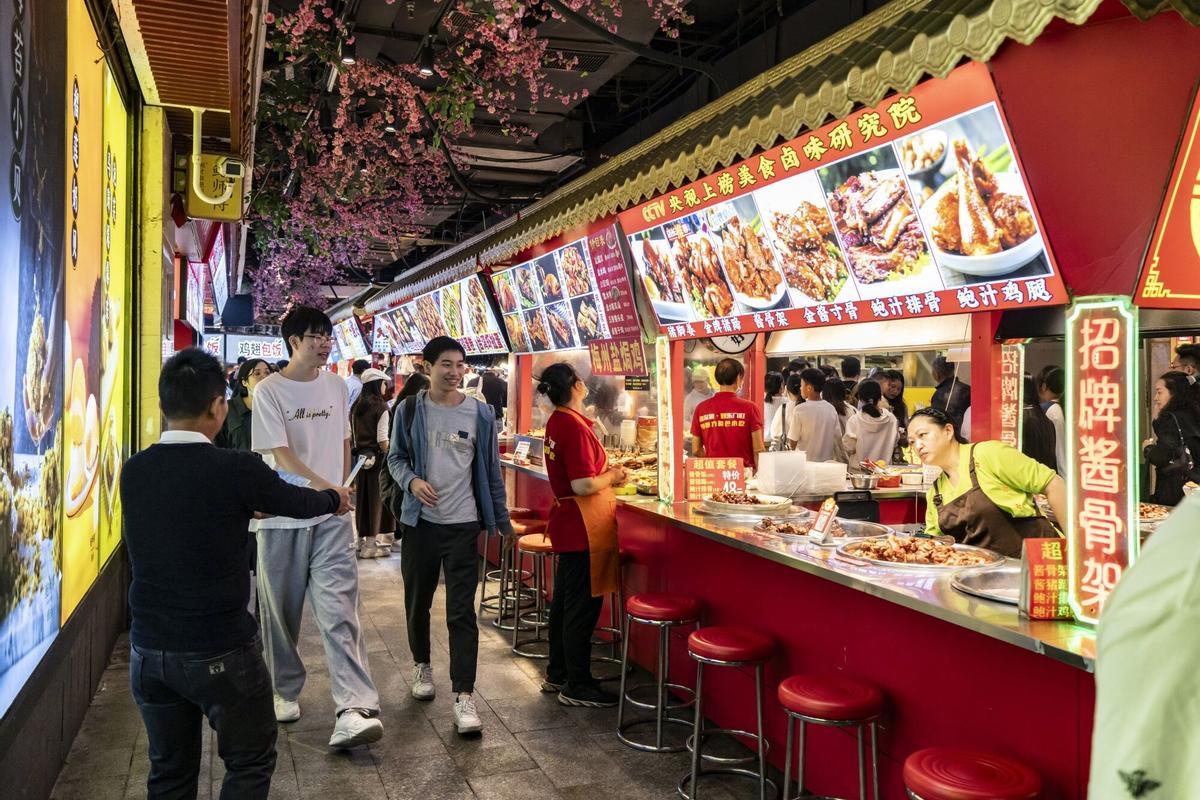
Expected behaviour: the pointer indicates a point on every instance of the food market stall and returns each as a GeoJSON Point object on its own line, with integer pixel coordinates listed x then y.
{"type": "Point", "coordinates": [864, 233]}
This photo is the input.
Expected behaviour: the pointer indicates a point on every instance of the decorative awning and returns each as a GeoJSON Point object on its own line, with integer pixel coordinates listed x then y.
{"type": "Point", "coordinates": [889, 50]}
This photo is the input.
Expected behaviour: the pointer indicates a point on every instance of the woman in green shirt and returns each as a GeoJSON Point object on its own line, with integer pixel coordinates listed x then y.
{"type": "Point", "coordinates": [984, 496]}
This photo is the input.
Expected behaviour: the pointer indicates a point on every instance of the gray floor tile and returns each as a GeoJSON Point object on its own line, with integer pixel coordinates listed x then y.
{"type": "Point", "coordinates": [109, 788]}
{"type": "Point", "coordinates": [515, 786]}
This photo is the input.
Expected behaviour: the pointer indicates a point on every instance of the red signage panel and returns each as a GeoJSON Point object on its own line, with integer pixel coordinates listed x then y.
{"type": "Point", "coordinates": [913, 208]}
{"type": "Point", "coordinates": [1171, 270]}
{"type": "Point", "coordinates": [1101, 443]}
{"type": "Point", "coordinates": [1012, 367]}
{"type": "Point", "coordinates": [707, 476]}
{"type": "Point", "coordinates": [624, 356]}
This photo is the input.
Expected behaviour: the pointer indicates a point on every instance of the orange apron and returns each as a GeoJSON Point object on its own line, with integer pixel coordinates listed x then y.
{"type": "Point", "coordinates": [599, 512]}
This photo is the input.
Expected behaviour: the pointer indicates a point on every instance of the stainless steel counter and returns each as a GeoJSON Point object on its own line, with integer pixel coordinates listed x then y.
{"type": "Point", "coordinates": [926, 591]}
{"type": "Point", "coordinates": [528, 469]}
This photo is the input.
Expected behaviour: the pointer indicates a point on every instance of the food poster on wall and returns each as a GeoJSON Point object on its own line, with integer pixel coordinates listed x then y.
{"type": "Point", "coordinates": [385, 340]}
{"type": "Point", "coordinates": [114, 306]}
{"type": "Point", "coordinates": [569, 296]}
{"type": "Point", "coordinates": [460, 310]}
{"type": "Point", "coordinates": [912, 208]}
{"type": "Point", "coordinates": [32, 143]}
{"type": "Point", "coordinates": [82, 348]}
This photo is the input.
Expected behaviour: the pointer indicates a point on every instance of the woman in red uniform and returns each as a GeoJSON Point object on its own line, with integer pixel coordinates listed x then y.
{"type": "Point", "coordinates": [583, 530]}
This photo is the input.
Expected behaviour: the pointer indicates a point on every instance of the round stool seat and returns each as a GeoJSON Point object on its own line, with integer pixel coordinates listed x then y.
{"type": "Point", "coordinates": [663, 607]}
{"type": "Point", "coordinates": [830, 697]}
{"type": "Point", "coordinates": [959, 773]}
{"type": "Point", "coordinates": [527, 526]}
{"type": "Point", "coordinates": [519, 512]}
{"type": "Point", "coordinates": [725, 643]}
{"type": "Point", "coordinates": [535, 543]}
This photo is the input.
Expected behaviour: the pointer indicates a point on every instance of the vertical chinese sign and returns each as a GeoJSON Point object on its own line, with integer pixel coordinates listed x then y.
{"type": "Point", "coordinates": [1012, 367]}
{"type": "Point", "coordinates": [1101, 442]}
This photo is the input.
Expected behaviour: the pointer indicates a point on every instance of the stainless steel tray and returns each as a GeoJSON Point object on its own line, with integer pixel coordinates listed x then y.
{"type": "Point", "coordinates": [1001, 584]}
{"type": "Point", "coordinates": [993, 558]}
{"type": "Point", "coordinates": [854, 528]}
{"type": "Point", "coordinates": [796, 513]}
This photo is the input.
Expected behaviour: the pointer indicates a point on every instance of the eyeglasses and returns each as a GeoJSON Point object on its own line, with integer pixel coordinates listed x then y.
{"type": "Point", "coordinates": [320, 338]}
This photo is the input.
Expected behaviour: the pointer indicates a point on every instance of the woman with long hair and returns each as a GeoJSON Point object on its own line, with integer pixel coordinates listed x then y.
{"type": "Point", "coordinates": [370, 426]}
{"type": "Point", "coordinates": [985, 494]}
{"type": "Point", "coordinates": [1176, 445]}
{"type": "Point", "coordinates": [1039, 439]}
{"type": "Point", "coordinates": [583, 532]}
{"type": "Point", "coordinates": [773, 398]}
{"type": "Point", "coordinates": [413, 384]}
{"type": "Point", "coordinates": [871, 432]}
{"type": "Point", "coordinates": [777, 431]}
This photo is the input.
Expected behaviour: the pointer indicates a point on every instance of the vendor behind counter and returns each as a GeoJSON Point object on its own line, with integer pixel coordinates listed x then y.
{"type": "Point", "coordinates": [985, 494]}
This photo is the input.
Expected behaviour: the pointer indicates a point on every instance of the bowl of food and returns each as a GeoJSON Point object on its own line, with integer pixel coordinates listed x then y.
{"type": "Point", "coordinates": [862, 481]}
{"type": "Point", "coordinates": [923, 152]}
{"type": "Point", "coordinates": [742, 503]}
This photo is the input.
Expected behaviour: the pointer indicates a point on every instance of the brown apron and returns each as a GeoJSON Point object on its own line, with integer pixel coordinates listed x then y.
{"type": "Point", "coordinates": [972, 518]}
{"type": "Point", "coordinates": [599, 512]}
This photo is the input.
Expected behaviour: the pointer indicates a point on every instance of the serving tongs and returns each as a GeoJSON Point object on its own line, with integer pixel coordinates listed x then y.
{"type": "Point", "coordinates": [872, 468]}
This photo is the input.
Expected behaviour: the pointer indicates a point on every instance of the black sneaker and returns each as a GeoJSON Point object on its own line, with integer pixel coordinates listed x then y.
{"type": "Point", "coordinates": [586, 697]}
{"type": "Point", "coordinates": [551, 686]}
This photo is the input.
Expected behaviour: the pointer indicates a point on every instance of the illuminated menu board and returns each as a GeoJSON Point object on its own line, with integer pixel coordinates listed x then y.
{"type": "Point", "coordinates": [349, 339]}
{"type": "Point", "coordinates": [913, 208]}
{"type": "Point", "coordinates": [460, 310]}
{"type": "Point", "coordinates": [568, 297]}
{"type": "Point", "coordinates": [386, 339]}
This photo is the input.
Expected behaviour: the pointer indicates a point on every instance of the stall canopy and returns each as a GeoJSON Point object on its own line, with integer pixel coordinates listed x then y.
{"type": "Point", "coordinates": [936, 333]}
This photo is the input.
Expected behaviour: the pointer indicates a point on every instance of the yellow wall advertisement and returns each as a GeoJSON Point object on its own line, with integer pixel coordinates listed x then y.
{"type": "Point", "coordinates": [82, 338]}
{"type": "Point", "coordinates": [114, 314]}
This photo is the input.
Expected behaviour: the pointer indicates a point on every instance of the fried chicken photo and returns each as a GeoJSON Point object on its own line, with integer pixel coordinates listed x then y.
{"type": "Point", "coordinates": [978, 220]}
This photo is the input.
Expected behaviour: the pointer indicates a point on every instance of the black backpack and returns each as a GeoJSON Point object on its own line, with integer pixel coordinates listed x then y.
{"type": "Point", "coordinates": [389, 491]}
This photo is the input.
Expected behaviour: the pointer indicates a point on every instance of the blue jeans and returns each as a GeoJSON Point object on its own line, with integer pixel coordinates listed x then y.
{"type": "Point", "coordinates": [175, 692]}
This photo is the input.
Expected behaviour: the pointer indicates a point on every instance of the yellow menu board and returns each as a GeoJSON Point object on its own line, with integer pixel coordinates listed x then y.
{"type": "Point", "coordinates": [83, 255]}
{"type": "Point", "coordinates": [114, 314]}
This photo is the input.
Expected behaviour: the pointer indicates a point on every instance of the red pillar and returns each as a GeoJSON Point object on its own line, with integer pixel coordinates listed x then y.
{"type": "Point", "coordinates": [985, 375]}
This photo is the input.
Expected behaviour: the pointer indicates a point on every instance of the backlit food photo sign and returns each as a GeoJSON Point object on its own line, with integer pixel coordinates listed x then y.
{"type": "Point", "coordinates": [1102, 527]}
{"type": "Point", "coordinates": [913, 208]}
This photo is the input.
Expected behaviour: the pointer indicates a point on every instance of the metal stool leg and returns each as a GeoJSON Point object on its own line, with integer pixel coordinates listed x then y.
{"type": "Point", "coordinates": [762, 750]}
{"type": "Point", "coordinates": [697, 734]}
{"type": "Point", "coordinates": [874, 762]}
{"type": "Point", "coordinates": [787, 758]}
{"type": "Point", "coordinates": [540, 618]}
{"type": "Point", "coordinates": [661, 705]}
{"type": "Point", "coordinates": [624, 662]}
{"type": "Point", "coordinates": [862, 765]}
{"type": "Point", "coordinates": [660, 709]}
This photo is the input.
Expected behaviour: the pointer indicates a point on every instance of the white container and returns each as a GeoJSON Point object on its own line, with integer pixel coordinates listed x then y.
{"type": "Point", "coordinates": [628, 434]}
{"type": "Point", "coordinates": [826, 477]}
{"type": "Point", "coordinates": [912, 479]}
{"type": "Point", "coordinates": [782, 473]}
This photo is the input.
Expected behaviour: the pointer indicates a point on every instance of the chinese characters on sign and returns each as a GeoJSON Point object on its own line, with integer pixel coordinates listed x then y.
{"type": "Point", "coordinates": [1101, 337]}
{"type": "Point", "coordinates": [706, 476]}
{"type": "Point", "coordinates": [214, 345]}
{"type": "Point", "coordinates": [624, 356]}
{"type": "Point", "coordinates": [1012, 366]}
{"type": "Point", "coordinates": [270, 348]}
{"type": "Point", "coordinates": [1044, 584]}
{"type": "Point", "coordinates": [844, 224]}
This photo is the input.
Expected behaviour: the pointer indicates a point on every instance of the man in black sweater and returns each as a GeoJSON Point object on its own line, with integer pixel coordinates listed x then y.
{"type": "Point", "coordinates": [195, 649]}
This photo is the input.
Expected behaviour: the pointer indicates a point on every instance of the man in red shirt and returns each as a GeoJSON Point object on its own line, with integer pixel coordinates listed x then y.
{"type": "Point", "coordinates": [725, 425]}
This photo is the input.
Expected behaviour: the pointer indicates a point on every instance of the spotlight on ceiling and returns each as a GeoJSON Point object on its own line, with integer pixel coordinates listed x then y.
{"type": "Point", "coordinates": [348, 53]}
{"type": "Point", "coordinates": [425, 60]}
{"type": "Point", "coordinates": [389, 128]}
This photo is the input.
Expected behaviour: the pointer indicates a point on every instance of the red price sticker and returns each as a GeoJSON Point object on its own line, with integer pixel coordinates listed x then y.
{"type": "Point", "coordinates": [1045, 586]}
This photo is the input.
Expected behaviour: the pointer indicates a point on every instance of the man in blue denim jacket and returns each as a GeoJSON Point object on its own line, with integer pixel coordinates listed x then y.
{"type": "Point", "coordinates": [447, 463]}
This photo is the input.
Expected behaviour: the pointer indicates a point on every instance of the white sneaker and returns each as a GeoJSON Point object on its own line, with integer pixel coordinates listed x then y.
{"type": "Point", "coordinates": [368, 549]}
{"type": "Point", "coordinates": [466, 716]}
{"type": "Point", "coordinates": [353, 728]}
{"type": "Point", "coordinates": [386, 540]}
{"type": "Point", "coordinates": [286, 710]}
{"type": "Point", "coordinates": [422, 682]}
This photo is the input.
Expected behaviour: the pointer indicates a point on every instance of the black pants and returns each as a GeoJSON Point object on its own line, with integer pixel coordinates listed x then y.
{"type": "Point", "coordinates": [427, 550]}
{"type": "Point", "coordinates": [175, 692]}
{"type": "Point", "coordinates": [573, 617]}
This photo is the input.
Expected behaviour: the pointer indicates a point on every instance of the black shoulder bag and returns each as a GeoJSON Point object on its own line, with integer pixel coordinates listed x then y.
{"type": "Point", "coordinates": [390, 491]}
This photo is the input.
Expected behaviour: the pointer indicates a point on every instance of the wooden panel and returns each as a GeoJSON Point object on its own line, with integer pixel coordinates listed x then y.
{"type": "Point", "coordinates": [187, 45]}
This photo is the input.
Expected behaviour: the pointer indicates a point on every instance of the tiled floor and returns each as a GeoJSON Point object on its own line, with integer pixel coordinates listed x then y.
{"type": "Point", "coordinates": [531, 748]}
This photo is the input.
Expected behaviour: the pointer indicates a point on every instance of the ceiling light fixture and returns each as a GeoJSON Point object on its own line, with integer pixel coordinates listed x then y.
{"type": "Point", "coordinates": [389, 128]}
{"type": "Point", "coordinates": [348, 53]}
{"type": "Point", "coordinates": [425, 60]}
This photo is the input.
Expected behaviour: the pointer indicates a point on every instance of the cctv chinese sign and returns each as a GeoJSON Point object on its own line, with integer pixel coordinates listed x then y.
{"type": "Point", "coordinates": [912, 208]}
{"type": "Point", "coordinates": [1102, 529]}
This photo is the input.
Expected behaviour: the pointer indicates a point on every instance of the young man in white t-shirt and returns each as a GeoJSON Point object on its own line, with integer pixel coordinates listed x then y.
{"type": "Point", "coordinates": [814, 426]}
{"type": "Point", "coordinates": [301, 428]}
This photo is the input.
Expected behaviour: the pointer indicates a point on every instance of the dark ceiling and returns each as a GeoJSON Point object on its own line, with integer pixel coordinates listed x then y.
{"type": "Point", "coordinates": [627, 91]}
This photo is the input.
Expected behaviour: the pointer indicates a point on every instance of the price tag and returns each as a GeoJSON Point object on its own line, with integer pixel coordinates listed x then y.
{"type": "Point", "coordinates": [637, 383]}
{"type": "Point", "coordinates": [821, 532]}
{"type": "Point", "coordinates": [521, 452]}
{"type": "Point", "coordinates": [1044, 584]}
{"type": "Point", "coordinates": [707, 476]}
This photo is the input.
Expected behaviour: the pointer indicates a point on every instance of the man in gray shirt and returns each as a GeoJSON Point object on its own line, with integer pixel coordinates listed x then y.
{"type": "Point", "coordinates": [445, 457]}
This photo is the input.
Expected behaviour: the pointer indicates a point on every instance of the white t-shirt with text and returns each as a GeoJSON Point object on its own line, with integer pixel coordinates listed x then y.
{"type": "Point", "coordinates": [310, 418]}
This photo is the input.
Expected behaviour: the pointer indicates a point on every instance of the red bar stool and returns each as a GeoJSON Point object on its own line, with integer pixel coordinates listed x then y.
{"type": "Point", "coordinates": [537, 547]}
{"type": "Point", "coordinates": [514, 595]}
{"type": "Point", "coordinates": [836, 701]}
{"type": "Point", "coordinates": [722, 646]}
{"type": "Point", "coordinates": [663, 611]}
{"type": "Point", "coordinates": [960, 773]}
{"type": "Point", "coordinates": [491, 602]}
